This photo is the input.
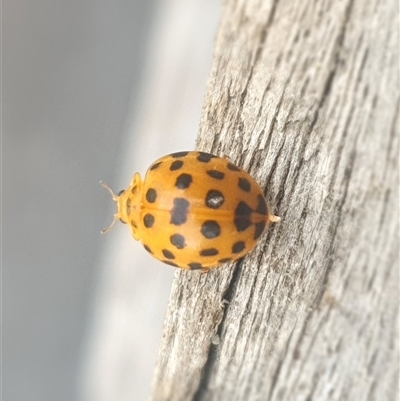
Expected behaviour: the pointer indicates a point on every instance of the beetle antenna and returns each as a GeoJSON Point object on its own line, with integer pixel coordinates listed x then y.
{"type": "Point", "coordinates": [115, 197]}
{"type": "Point", "coordinates": [104, 185]}
{"type": "Point", "coordinates": [110, 226]}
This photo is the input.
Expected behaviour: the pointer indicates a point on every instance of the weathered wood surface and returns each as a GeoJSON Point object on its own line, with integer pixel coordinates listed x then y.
{"type": "Point", "coordinates": [305, 96]}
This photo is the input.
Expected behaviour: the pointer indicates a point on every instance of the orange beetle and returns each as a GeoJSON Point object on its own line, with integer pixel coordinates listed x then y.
{"type": "Point", "coordinates": [194, 210]}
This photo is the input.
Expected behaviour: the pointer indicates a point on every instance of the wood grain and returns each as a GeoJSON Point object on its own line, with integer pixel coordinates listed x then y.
{"type": "Point", "coordinates": [305, 96]}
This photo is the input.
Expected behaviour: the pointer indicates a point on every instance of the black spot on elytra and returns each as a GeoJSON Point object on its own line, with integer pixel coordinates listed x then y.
{"type": "Point", "coordinates": [262, 207]}
{"type": "Point", "coordinates": [179, 211]}
{"type": "Point", "coordinates": [128, 204]}
{"type": "Point", "coordinates": [243, 209]}
{"type": "Point", "coordinates": [178, 241]}
{"type": "Point", "coordinates": [151, 195]}
{"type": "Point", "coordinates": [168, 254]}
{"type": "Point", "coordinates": [176, 165]}
{"type": "Point", "coordinates": [232, 167]}
{"type": "Point", "coordinates": [205, 157]}
{"type": "Point", "coordinates": [134, 190]}
{"type": "Point", "coordinates": [242, 216]}
{"type": "Point", "coordinates": [214, 199]}
{"type": "Point", "coordinates": [176, 155]}
{"type": "Point", "coordinates": [195, 266]}
{"type": "Point", "coordinates": [224, 260]}
{"type": "Point", "coordinates": [260, 226]}
{"type": "Point", "coordinates": [167, 262]}
{"type": "Point", "coordinates": [148, 220]}
{"type": "Point", "coordinates": [210, 229]}
{"type": "Point", "coordinates": [147, 248]}
{"type": "Point", "coordinates": [155, 166]}
{"type": "Point", "coordinates": [209, 252]}
{"type": "Point", "coordinates": [238, 247]}
{"type": "Point", "coordinates": [244, 184]}
{"type": "Point", "coordinates": [183, 181]}
{"type": "Point", "coordinates": [218, 175]}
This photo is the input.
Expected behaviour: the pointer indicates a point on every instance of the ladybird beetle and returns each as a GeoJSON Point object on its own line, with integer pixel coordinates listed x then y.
{"type": "Point", "coordinates": [194, 210]}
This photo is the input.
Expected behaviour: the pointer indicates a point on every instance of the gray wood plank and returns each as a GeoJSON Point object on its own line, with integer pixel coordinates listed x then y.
{"type": "Point", "coordinates": [305, 96]}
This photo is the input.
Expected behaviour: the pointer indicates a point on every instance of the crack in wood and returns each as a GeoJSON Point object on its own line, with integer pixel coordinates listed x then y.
{"type": "Point", "coordinates": [213, 349]}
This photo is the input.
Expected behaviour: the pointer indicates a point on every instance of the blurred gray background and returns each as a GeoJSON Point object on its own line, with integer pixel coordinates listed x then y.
{"type": "Point", "coordinates": [91, 90]}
